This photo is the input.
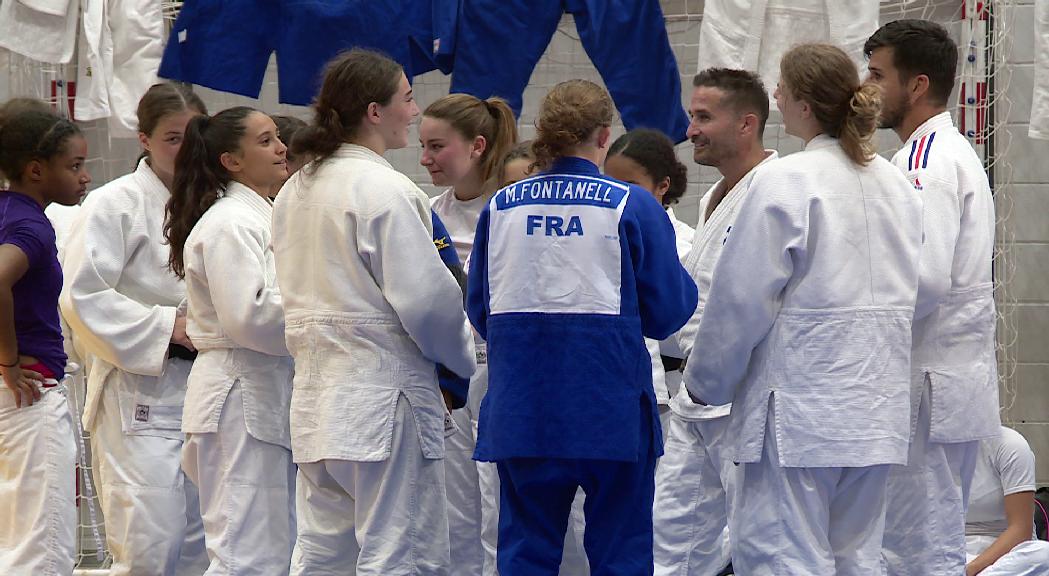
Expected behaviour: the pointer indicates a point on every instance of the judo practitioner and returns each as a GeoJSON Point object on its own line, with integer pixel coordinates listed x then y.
{"type": "Point", "coordinates": [696, 480]}
{"type": "Point", "coordinates": [954, 388]}
{"type": "Point", "coordinates": [464, 140]}
{"type": "Point", "coordinates": [238, 446]}
{"type": "Point", "coordinates": [569, 273]}
{"type": "Point", "coordinates": [370, 309]}
{"type": "Point", "coordinates": [806, 330]}
{"type": "Point", "coordinates": [125, 309]}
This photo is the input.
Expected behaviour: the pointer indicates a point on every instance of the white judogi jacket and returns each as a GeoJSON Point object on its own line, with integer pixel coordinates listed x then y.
{"type": "Point", "coordinates": [120, 46]}
{"type": "Point", "coordinates": [683, 232]}
{"type": "Point", "coordinates": [707, 242]}
{"type": "Point", "coordinates": [120, 300]}
{"type": "Point", "coordinates": [955, 319]}
{"type": "Point", "coordinates": [810, 307]}
{"type": "Point", "coordinates": [235, 319]}
{"type": "Point", "coordinates": [755, 34]}
{"type": "Point", "coordinates": [43, 30]}
{"type": "Point", "coordinates": [369, 308]}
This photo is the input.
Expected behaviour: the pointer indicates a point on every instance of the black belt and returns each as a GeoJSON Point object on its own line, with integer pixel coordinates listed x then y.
{"type": "Point", "coordinates": [671, 364]}
{"type": "Point", "coordinates": [178, 351]}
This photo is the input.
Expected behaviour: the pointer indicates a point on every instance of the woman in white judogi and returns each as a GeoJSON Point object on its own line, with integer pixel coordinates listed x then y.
{"type": "Point", "coordinates": [807, 330]}
{"type": "Point", "coordinates": [238, 446]}
{"type": "Point", "coordinates": [464, 141]}
{"type": "Point", "coordinates": [123, 306]}
{"type": "Point", "coordinates": [646, 157]}
{"type": "Point", "coordinates": [369, 309]}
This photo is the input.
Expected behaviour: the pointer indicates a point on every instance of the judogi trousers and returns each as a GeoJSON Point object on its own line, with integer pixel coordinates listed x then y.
{"type": "Point", "coordinates": [151, 510]}
{"type": "Point", "coordinates": [37, 485]}
{"type": "Point", "coordinates": [694, 493]}
{"type": "Point", "coordinates": [807, 520]}
{"type": "Point", "coordinates": [247, 491]}
{"type": "Point", "coordinates": [536, 502]}
{"type": "Point", "coordinates": [386, 518]}
{"type": "Point", "coordinates": [925, 519]}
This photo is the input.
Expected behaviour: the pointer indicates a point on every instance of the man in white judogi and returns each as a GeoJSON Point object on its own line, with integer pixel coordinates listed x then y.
{"type": "Point", "coordinates": [954, 396]}
{"type": "Point", "coordinates": [694, 482]}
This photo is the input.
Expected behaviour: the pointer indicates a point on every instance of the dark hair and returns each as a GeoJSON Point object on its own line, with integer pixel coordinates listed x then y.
{"type": "Point", "coordinates": [200, 176]}
{"type": "Point", "coordinates": [29, 131]}
{"type": "Point", "coordinates": [287, 129]}
{"type": "Point", "coordinates": [743, 89]}
{"type": "Point", "coordinates": [568, 116]}
{"type": "Point", "coordinates": [472, 117]}
{"type": "Point", "coordinates": [352, 81]}
{"type": "Point", "coordinates": [919, 47]}
{"type": "Point", "coordinates": [654, 152]}
{"type": "Point", "coordinates": [826, 78]}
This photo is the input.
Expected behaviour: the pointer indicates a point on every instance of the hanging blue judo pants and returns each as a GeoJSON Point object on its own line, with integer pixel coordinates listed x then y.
{"type": "Point", "coordinates": [499, 42]}
{"type": "Point", "coordinates": [536, 497]}
{"type": "Point", "coordinates": [226, 44]}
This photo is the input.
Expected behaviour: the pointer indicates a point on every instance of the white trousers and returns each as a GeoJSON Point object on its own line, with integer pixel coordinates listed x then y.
{"type": "Point", "coordinates": [925, 518]}
{"type": "Point", "coordinates": [247, 490]}
{"type": "Point", "coordinates": [464, 495]}
{"type": "Point", "coordinates": [383, 518]}
{"type": "Point", "coordinates": [1030, 558]}
{"type": "Point", "coordinates": [37, 486]}
{"type": "Point", "coordinates": [151, 510]}
{"type": "Point", "coordinates": [488, 481]}
{"type": "Point", "coordinates": [694, 494]}
{"type": "Point", "coordinates": [820, 521]}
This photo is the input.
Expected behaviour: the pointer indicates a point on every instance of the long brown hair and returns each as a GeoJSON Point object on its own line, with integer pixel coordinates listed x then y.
{"type": "Point", "coordinates": [568, 116]}
{"type": "Point", "coordinates": [823, 76]}
{"type": "Point", "coordinates": [200, 177]}
{"type": "Point", "coordinates": [472, 117]}
{"type": "Point", "coordinates": [352, 81]}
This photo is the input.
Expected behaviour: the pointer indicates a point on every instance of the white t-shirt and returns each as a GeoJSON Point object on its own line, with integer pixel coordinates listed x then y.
{"type": "Point", "coordinates": [61, 219]}
{"type": "Point", "coordinates": [460, 218]}
{"type": "Point", "coordinates": [1004, 466]}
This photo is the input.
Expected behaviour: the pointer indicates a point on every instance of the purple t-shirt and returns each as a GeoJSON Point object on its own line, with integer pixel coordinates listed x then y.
{"type": "Point", "coordinates": [37, 328]}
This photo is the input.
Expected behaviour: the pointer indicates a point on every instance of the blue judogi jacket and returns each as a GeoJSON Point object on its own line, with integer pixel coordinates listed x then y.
{"type": "Point", "coordinates": [570, 271]}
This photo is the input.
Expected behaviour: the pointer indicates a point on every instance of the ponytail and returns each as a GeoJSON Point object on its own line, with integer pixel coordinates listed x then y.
{"type": "Point", "coordinates": [323, 137]}
{"type": "Point", "coordinates": [861, 122]}
{"type": "Point", "coordinates": [200, 177]}
{"type": "Point", "coordinates": [823, 76]}
{"type": "Point", "coordinates": [472, 117]}
{"type": "Point", "coordinates": [503, 139]}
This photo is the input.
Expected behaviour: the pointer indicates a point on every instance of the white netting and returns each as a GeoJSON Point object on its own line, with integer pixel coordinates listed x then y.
{"type": "Point", "coordinates": [985, 77]}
